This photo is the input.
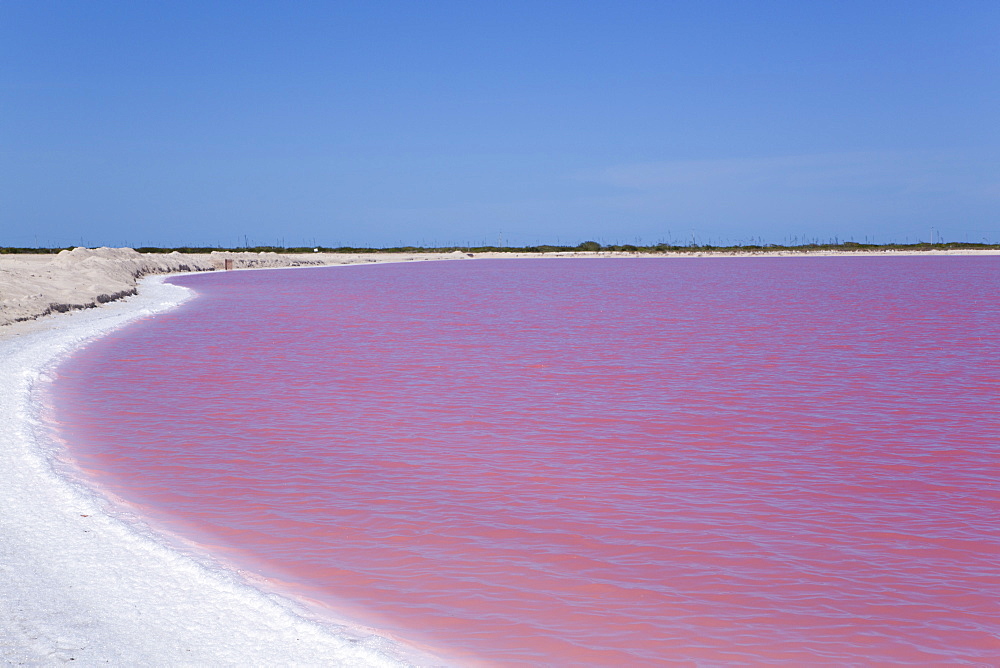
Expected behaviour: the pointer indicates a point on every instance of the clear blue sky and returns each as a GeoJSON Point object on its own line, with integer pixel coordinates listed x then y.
{"type": "Point", "coordinates": [381, 123]}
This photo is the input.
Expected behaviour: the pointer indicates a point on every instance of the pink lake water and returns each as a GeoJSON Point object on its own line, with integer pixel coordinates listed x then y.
{"type": "Point", "coordinates": [582, 462]}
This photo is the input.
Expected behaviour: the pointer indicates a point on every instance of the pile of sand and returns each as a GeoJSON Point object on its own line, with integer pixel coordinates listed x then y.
{"type": "Point", "coordinates": [36, 285]}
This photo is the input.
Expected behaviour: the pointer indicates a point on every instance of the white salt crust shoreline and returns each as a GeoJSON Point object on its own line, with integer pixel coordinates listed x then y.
{"type": "Point", "coordinates": [78, 582]}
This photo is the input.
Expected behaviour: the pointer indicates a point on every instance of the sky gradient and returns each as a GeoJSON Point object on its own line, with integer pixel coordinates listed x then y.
{"type": "Point", "coordinates": [454, 123]}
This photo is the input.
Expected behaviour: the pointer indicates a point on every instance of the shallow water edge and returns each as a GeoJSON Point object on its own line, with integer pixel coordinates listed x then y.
{"type": "Point", "coordinates": [83, 580]}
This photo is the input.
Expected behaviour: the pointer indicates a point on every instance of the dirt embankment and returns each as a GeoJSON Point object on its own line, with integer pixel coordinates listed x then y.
{"type": "Point", "coordinates": [32, 286]}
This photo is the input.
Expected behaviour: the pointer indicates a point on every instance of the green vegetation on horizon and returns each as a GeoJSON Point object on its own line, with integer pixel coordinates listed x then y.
{"type": "Point", "coordinates": [586, 246]}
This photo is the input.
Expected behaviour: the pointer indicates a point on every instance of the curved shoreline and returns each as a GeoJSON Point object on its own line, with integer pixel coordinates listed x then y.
{"type": "Point", "coordinates": [78, 583]}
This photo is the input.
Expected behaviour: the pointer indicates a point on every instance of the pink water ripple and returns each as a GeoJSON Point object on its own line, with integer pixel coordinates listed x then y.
{"type": "Point", "coordinates": [583, 462]}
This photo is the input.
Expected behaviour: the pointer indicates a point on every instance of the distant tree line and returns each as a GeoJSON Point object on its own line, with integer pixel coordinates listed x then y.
{"type": "Point", "coordinates": [586, 246]}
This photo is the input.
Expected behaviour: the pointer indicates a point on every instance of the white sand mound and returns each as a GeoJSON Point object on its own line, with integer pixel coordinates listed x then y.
{"type": "Point", "coordinates": [36, 285]}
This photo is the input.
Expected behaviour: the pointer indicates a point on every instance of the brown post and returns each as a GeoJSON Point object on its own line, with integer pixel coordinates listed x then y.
{"type": "Point", "coordinates": [229, 264]}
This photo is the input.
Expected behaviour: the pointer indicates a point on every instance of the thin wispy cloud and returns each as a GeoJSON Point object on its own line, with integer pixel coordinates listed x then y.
{"type": "Point", "coordinates": [851, 172]}
{"type": "Point", "coordinates": [837, 188]}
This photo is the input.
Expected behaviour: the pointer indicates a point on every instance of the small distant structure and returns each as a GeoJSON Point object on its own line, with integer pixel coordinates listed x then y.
{"type": "Point", "coordinates": [228, 264]}
{"type": "Point", "coordinates": [315, 250]}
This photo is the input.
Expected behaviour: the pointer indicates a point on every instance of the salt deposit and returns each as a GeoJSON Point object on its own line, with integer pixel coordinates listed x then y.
{"type": "Point", "coordinates": [81, 581]}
